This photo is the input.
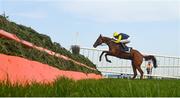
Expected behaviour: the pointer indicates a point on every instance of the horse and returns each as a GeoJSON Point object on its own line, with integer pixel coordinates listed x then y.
{"type": "Point", "coordinates": [114, 50]}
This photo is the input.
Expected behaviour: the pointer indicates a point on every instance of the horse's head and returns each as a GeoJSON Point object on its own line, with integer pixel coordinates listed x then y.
{"type": "Point", "coordinates": [98, 42]}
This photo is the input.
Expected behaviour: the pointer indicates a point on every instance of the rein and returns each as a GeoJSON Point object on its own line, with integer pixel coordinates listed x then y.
{"type": "Point", "coordinates": [104, 44]}
{"type": "Point", "coordinates": [110, 40]}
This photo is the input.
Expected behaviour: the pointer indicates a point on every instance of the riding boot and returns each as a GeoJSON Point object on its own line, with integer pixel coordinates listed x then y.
{"type": "Point", "coordinates": [124, 47]}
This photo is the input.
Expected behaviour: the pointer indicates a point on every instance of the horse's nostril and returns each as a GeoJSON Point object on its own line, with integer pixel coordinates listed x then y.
{"type": "Point", "coordinates": [94, 46]}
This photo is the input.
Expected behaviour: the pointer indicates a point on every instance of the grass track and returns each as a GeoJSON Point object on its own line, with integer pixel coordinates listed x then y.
{"type": "Point", "coordinates": [104, 87]}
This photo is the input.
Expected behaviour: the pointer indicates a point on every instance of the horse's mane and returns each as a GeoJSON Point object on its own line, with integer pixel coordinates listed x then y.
{"type": "Point", "coordinates": [107, 38]}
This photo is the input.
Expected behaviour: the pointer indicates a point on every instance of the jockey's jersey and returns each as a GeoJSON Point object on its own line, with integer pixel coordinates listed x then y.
{"type": "Point", "coordinates": [124, 36]}
{"type": "Point", "coordinates": [120, 37]}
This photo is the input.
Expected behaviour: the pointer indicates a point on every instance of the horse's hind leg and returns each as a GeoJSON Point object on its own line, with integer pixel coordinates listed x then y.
{"type": "Point", "coordinates": [135, 72]}
{"type": "Point", "coordinates": [141, 72]}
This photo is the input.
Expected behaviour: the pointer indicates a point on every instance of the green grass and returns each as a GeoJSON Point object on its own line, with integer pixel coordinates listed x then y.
{"type": "Point", "coordinates": [103, 87]}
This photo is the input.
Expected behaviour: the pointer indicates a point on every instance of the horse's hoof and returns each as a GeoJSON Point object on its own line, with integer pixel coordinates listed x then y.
{"type": "Point", "coordinates": [141, 77]}
{"type": "Point", "coordinates": [132, 78]}
{"type": "Point", "coordinates": [109, 61]}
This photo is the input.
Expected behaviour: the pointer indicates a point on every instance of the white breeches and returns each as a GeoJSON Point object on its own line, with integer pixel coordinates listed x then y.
{"type": "Point", "coordinates": [125, 41]}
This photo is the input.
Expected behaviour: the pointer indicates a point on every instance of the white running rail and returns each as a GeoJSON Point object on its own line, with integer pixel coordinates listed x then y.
{"type": "Point", "coordinates": [168, 66]}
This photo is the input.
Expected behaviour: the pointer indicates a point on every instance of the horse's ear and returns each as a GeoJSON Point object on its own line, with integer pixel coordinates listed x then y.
{"type": "Point", "coordinates": [100, 35]}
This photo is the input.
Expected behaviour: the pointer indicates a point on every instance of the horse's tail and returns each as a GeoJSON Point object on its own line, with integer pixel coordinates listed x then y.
{"type": "Point", "coordinates": [151, 57]}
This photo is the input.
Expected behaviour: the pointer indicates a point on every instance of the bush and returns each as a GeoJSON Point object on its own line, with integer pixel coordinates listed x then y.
{"type": "Point", "coordinates": [75, 49]}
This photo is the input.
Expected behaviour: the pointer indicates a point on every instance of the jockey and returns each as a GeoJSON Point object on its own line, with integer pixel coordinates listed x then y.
{"type": "Point", "coordinates": [122, 39]}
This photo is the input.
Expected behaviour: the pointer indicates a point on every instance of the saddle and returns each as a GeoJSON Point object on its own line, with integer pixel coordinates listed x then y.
{"type": "Point", "coordinates": [125, 48]}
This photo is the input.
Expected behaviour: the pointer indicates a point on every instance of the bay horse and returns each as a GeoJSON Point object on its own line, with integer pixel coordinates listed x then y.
{"type": "Point", "coordinates": [135, 56]}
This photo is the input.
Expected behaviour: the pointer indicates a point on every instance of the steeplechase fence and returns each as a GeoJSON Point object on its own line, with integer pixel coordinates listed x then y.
{"type": "Point", "coordinates": [168, 66]}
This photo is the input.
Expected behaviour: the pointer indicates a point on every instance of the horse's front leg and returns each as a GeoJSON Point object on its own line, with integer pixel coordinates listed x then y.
{"type": "Point", "coordinates": [108, 54]}
{"type": "Point", "coordinates": [100, 57]}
